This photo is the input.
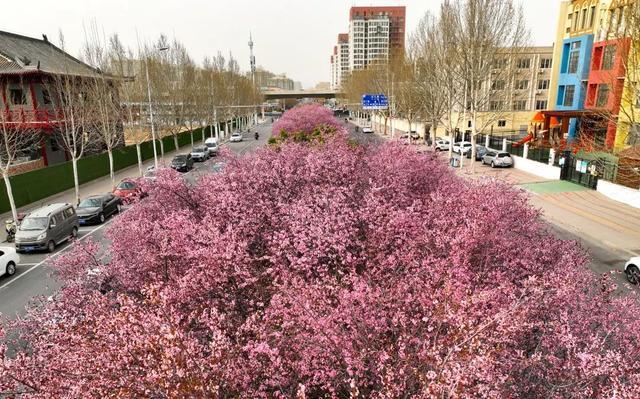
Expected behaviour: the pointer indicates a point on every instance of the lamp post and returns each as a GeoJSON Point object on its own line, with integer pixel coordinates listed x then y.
{"type": "Point", "coordinates": [153, 129]}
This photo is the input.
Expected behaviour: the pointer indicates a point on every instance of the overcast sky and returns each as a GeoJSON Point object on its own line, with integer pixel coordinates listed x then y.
{"type": "Point", "coordinates": [295, 37]}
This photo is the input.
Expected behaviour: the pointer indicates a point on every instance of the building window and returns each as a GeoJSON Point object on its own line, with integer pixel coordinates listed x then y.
{"type": "Point", "coordinates": [543, 84]}
{"type": "Point", "coordinates": [637, 86]}
{"type": "Point", "coordinates": [633, 137]}
{"type": "Point", "coordinates": [502, 123]}
{"type": "Point", "coordinates": [524, 63]}
{"type": "Point", "coordinates": [46, 97]}
{"type": "Point", "coordinates": [603, 95]}
{"type": "Point", "coordinates": [575, 20]}
{"type": "Point", "coordinates": [574, 57]}
{"type": "Point", "coordinates": [469, 124]}
{"type": "Point", "coordinates": [500, 63]}
{"type": "Point", "coordinates": [18, 97]}
{"type": "Point", "coordinates": [608, 57]}
{"type": "Point", "coordinates": [545, 63]}
{"type": "Point", "coordinates": [522, 85]}
{"type": "Point", "coordinates": [497, 85]}
{"type": "Point", "coordinates": [541, 104]}
{"type": "Point", "coordinates": [495, 106]}
{"type": "Point", "coordinates": [520, 105]}
{"type": "Point", "coordinates": [569, 94]}
{"type": "Point", "coordinates": [592, 16]}
{"type": "Point", "coordinates": [583, 23]}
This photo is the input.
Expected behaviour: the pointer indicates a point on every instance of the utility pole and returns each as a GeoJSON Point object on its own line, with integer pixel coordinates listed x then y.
{"type": "Point", "coordinates": [252, 60]}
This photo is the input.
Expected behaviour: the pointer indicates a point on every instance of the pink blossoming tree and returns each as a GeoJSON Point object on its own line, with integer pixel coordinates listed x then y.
{"type": "Point", "coordinates": [305, 118]}
{"type": "Point", "coordinates": [328, 271]}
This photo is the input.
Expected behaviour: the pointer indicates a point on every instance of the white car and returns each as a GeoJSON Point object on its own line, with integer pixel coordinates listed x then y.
{"type": "Point", "coordinates": [212, 145]}
{"type": "Point", "coordinates": [632, 270]}
{"type": "Point", "coordinates": [461, 147]}
{"type": "Point", "coordinates": [9, 260]}
{"type": "Point", "coordinates": [367, 129]}
{"type": "Point", "coordinates": [236, 137]}
{"type": "Point", "coordinates": [442, 145]}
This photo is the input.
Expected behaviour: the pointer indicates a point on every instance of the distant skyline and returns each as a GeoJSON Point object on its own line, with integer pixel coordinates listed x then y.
{"type": "Point", "coordinates": [290, 36]}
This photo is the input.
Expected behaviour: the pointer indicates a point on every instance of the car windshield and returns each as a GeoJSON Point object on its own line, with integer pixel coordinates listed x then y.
{"type": "Point", "coordinates": [126, 185]}
{"type": "Point", "coordinates": [504, 155]}
{"type": "Point", "coordinates": [211, 145]}
{"type": "Point", "coordinates": [90, 203]}
{"type": "Point", "coordinates": [236, 134]}
{"type": "Point", "coordinates": [180, 158]}
{"type": "Point", "coordinates": [199, 149]}
{"type": "Point", "coordinates": [34, 224]}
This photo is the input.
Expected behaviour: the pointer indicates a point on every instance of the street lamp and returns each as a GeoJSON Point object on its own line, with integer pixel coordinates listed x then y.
{"type": "Point", "coordinates": [153, 129]}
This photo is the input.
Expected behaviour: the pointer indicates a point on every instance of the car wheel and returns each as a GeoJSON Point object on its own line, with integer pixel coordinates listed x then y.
{"type": "Point", "coordinates": [74, 232]}
{"type": "Point", "coordinates": [51, 246]}
{"type": "Point", "coordinates": [11, 269]}
{"type": "Point", "coordinates": [101, 217]}
{"type": "Point", "coordinates": [493, 165]}
{"type": "Point", "coordinates": [633, 274]}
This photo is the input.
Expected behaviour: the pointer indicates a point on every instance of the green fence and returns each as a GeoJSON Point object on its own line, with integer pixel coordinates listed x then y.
{"type": "Point", "coordinates": [39, 184]}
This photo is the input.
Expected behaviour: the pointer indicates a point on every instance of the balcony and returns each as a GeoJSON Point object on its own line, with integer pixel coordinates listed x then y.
{"type": "Point", "coordinates": [32, 119]}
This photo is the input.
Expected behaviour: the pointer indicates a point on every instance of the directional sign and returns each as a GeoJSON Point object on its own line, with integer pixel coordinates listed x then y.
{"type": "Point", "coordinates": [375, 101]}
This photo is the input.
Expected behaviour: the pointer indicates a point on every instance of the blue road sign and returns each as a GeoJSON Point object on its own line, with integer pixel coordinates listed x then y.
{"type": "Point", "coordinates": [375, 101]}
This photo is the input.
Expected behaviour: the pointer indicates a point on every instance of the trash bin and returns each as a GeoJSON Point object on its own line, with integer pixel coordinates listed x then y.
{"type": "Point", "coordinates": [455, 162]}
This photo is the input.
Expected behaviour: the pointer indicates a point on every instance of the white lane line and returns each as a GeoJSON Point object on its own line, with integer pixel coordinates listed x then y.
{"type": "Point", "coordinates": [27, 264]}
{"type": "Point", "coordinates": [48, 258]}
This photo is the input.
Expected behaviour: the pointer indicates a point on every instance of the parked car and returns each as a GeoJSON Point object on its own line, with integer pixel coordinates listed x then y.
{"type": "Point", "coordinates": [461, 147]}
{"type": "Point", "coordinates": [497, 159]}
{"type": "Point", "coordinates": [97, 208]}
{"type": "Point", "coordinates": [150, 174]}
{"type": "Point", "coordinates": [367, 129]}
{"type": "Point", "coordinates": [47, 227]}
{"type": "Point", "coordinates": [442, 145]}
{"type": "Point", "coordinates": [128, 190]}
{"type": "Point", "coordinates": [632, 270]}
{"type": "Point", "coordinates": [236, 137]}
{"type": "Point", "coordinates": [200, 154]}
{"type": "Point", "coordinates": [218, 167]}
{"type": "Point", "coordinates": [212, 146]}
{"type": "Point", "coordinates": [182, 163]}
{"type": "Point", "coordinates": [9, 260]}
{"type": "Point", "coordinates": [480, 152]}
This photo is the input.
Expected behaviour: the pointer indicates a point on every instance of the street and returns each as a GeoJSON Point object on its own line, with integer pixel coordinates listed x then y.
{"type": "Point", "coordinates": [32, 277]}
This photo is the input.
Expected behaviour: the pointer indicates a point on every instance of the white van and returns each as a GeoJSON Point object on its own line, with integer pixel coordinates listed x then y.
{"type": "Point", "coordinates": [212, 145]}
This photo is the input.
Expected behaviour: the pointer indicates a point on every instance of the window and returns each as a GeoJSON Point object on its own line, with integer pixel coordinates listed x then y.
{"type": "Point", "coordinates": [603, 95]}
{"type": "Point", "coordinates": [574, 56]}
{"type": "Point", "coordinates": [608, 57]}
{"type": "Point", "coordinates": [495, 105]}
{"type": "Point", "coordinates": [18, 97]}
{"type": "Point", "coordinates": [633, 137]}
{"type": "Point", "coordinates": [545, 63]}
{"type": "Point", "coordinates": [500, 63]}
{"type": "Point", "coordinates": [522, 85]}
{"type": "Point", "coordinates": [497, 85]}
{"type": "Point", "coordinates": [520, 105]}
{"type": "Point", "coordinates": [637, 94]}
{"type": "Point", "coordinates": [541, 104]}
{"type": "Point", "coordinates": [46, 97]}
{"type": "Point", "coordinates": [543, 84]}
{"type": "Point", "coordinates": [502, 123]}
{"type": "Point", "coordinates": [469, 124]}
{"type": "Point", "coordinates": [524, 63]}
{"type": "Point", "coordinates": [569, 94]}
{"type": "Point", "coordinates": [575, 20]}
{"type": "Point", "coordinates": [592, 16]}
{"type": "Point", "coordinates": [583, 22]}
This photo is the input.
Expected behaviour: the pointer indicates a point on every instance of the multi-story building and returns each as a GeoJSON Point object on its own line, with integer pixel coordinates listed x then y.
{"type": "Point", "coordinates": [29, 97]}
{"type": "Point", "coordinates": [376, 34]}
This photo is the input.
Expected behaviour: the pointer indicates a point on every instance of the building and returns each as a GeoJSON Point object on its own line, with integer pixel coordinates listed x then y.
{"type": "Point", "coordinates": [29, 68]}
{"type": "Point", "coordinates": [376, 34]}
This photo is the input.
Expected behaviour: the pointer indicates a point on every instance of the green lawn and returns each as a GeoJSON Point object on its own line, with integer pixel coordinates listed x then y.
{"type": "Point", "coordinates": [553, 187]}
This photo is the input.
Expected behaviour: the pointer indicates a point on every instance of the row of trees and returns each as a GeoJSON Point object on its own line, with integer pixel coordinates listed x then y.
{"type": "Point", "coordinates": [453, 60]}
{"type": "Point", "coordinates": [132, 96]}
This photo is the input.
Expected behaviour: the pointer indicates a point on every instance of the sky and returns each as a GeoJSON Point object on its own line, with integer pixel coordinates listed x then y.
{"type": "Point", "coordinates": [295, 37]}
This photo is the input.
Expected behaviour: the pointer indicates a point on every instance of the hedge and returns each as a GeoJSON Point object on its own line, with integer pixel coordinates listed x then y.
{"type": "Point", "coordinates": [36, 185]}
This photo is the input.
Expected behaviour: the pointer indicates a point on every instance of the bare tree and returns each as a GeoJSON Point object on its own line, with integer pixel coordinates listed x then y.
{"type": "Point", "coordinates": [489, 36]}
{"type": "Point", "coordinates": [16, 138]}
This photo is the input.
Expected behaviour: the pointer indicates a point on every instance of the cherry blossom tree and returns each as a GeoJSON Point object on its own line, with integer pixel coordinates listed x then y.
{"type": "Point", "coordinates": [327, 270]}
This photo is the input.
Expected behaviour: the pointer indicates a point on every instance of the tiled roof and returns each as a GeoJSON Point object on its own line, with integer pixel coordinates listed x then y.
{"type": "Point", "coordinates": [22, 54]}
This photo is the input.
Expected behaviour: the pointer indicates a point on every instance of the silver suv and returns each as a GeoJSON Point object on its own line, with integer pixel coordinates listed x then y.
{"type": "Point", "coordinates": [47, 227]}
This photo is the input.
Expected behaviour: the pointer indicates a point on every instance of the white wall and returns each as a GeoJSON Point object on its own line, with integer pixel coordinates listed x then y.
{"type": "Point", "coordinates": [536, 168]}
{"type": "Point", "coordinates": [619, 193]}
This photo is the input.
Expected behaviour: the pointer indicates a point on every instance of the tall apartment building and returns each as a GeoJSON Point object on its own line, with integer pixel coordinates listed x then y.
{"type": "Point", "coordinates": [376, 34]}
{"type": "Point", "coordinates": [340, 60]}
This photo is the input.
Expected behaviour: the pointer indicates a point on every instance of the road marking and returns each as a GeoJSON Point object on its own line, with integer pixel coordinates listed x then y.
{"type": "Point", "coordinates": [27, 264]}
{"type": "Point", "coordinates": [48, 258]}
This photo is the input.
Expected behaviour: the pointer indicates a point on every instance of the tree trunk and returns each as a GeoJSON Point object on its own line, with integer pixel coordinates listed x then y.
{"type": "Point", "coordinates": [112, 174]}
{"type": "Point", "coordinates": [161, 148]}
{"type": "Point", "coordinates": [434, 128]}
{"type": "Point", "coordinates": [12, 203]}
{"type": "Point", "coordinates": [191, 138]}
{"type": "Point", "coordinates": [175, 140]}
{"type": "Point", "coordinates": [139, 153]}
{"type": "Point", "coordinates": [474, 132]}
{"type": "Point", "coordinates": [76, 184]}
